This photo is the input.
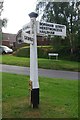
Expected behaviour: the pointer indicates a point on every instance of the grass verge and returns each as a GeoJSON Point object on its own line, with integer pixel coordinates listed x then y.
{"type": "Point", "coordinates": [42, 63]}
{"type": "Point", "coordinates": [58, 97]}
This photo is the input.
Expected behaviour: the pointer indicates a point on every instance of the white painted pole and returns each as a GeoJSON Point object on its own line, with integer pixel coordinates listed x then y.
{"type": "Point", "coordinates": [34, 63]}
{"type": "Point", "coordinates": [33, 57]}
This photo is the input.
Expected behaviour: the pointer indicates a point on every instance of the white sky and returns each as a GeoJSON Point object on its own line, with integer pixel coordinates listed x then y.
{"type": "Point", "coordinates": [16, 11]}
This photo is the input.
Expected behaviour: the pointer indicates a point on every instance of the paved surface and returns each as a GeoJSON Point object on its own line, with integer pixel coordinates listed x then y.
{"type": "Point", "coordinates": [42, 72]}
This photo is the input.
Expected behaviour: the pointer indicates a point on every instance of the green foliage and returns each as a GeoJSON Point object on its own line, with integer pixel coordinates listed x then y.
{"type": "Point", "coordinates": [22, 52]}
{"type": "Point", "coordinates": [63, 51]}
{"type": "Point", "coordinates": [42, 51]}
{"type": "Point", "coordinates": [64, 13]}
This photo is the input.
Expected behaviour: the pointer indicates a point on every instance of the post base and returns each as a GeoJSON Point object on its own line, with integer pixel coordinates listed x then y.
{"type": "Point", "coordinates": [35, 97]}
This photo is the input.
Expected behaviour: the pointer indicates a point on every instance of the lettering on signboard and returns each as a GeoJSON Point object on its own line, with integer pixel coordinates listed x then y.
{"type": "Point", "coordinates": [52, 29]}
{"type": "Point", "coordinates": [28, 38]}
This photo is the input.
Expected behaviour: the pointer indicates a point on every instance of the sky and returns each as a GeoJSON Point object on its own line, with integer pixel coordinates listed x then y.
{"type": "Point", "coordinates": [16, 11]}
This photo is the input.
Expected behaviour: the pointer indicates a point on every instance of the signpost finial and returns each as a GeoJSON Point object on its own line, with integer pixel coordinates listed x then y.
{"type": "Point", "coordinates": [33, 14]}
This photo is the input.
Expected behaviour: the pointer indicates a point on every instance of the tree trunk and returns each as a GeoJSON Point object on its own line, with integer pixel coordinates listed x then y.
{"type": "Point", "coordinates": [71, 45]}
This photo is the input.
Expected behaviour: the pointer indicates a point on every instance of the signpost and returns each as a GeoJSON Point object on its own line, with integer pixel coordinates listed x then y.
{"type": "Point", "coordinates": [29, 34]}
{"type": "Point", "coordinates": [33, 63]}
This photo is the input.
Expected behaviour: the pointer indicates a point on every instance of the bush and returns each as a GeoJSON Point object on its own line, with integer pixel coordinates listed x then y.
{"type": "Point", "coordinates": [63, 51]}
{"type": "Point", "coordinates": [22, 52]}
{"type": "Point", "coordinates": [42, 51]}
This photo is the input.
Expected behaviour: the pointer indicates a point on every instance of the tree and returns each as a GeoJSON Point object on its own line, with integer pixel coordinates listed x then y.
{"type": "Point", "coordinates": [65, 13]}
{"type": "Point", "coordinates": [1, 6]}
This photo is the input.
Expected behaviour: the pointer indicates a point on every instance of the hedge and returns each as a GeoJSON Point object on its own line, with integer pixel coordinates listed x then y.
{"type": "Point", "coordinates": [42, 51]}
{"type": "Point", "coordinates": [63, 51]}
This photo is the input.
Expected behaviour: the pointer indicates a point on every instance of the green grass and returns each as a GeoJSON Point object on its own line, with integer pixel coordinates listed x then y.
{"type": "Point", "coordinates": [42, 63]}
{"type": "Point", "coordinates": [58, 97]}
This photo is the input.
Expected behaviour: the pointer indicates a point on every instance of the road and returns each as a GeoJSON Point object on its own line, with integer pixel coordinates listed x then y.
{"type": "Point", "coordinates": [42, 72]}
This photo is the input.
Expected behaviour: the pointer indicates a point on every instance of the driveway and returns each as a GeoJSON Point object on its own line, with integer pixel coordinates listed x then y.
{"type": "Point", "coordinates": [42, 72]}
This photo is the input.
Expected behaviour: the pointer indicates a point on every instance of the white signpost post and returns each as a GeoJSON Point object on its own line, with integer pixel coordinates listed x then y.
{"type": "Point", "coordinates": [34, 63]}
{"type": "Point", "coordinates": [29, 35]}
